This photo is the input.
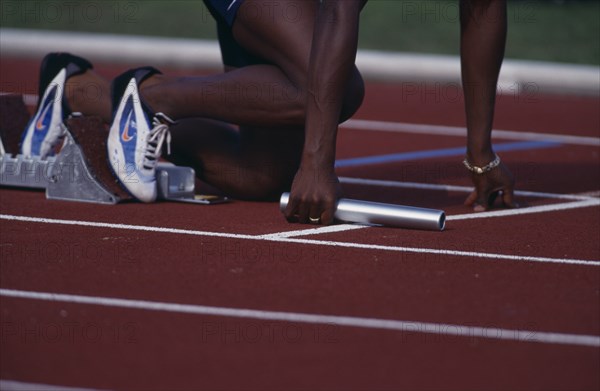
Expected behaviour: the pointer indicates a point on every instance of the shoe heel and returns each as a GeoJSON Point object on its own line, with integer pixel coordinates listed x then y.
{"type": "Point", "coordinates": [120, 83]}
{"type": "Point", "coordinates": [53, 63]}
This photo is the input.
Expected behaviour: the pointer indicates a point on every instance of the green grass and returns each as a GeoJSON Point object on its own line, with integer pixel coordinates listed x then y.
{"type": "Point", "coordinates": [564, 31]}
{"type": "Point", "coordinates": [174, 18]}
{"type": "Point", "coordinates": [538, 30]}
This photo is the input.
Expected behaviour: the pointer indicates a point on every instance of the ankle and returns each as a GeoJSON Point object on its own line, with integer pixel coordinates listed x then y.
{"type": "Point", "coordinates": [151, 95]}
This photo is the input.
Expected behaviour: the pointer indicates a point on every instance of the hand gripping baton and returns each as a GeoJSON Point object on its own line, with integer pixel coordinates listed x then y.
{"type": "Point", "coordinates": [367, 212]}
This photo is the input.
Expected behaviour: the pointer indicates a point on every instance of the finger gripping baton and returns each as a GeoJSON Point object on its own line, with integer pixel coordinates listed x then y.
{"type": "Point", "coordinates": [391, 215]}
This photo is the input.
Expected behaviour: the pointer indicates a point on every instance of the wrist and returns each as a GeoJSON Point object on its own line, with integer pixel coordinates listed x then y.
{"type": "Point", "coordinates": [482, 169]}
{"type": "Point", "coordinates": [480, 156]}
{"type": "Point", "coordinates": [317, 169]}
{"type": "Point", "coordinates": [318, 158]}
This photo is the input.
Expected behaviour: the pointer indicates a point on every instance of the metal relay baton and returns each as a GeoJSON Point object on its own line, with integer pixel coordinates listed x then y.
{"type": "Point", "coordinates": [391, 215]}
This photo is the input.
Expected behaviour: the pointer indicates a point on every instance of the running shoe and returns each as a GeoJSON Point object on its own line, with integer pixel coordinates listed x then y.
{"type": "Point", "coordinates": [136, 136]}
{"type": "Point", "coordinates": [46, 128]}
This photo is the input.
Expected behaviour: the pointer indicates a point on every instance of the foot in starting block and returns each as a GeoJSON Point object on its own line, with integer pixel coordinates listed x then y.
{"type": "Point", "coordinates": [80, 171]}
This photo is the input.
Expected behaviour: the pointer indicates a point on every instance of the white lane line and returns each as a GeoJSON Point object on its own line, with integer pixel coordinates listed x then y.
{"type": "Point", "coordinates": [401, 127]}
{"type": "Point", "coordinates": [593, 194]}
{"type": "Point", "coordinates": [28, 99]}
{"type": "Point", "coordinates": [449, 188]}
{"type": "Point", "coordinates": [574, 197]}
{"type": "Point", "coordinates": [587, 202]}
{"type": "Point", "coordinates": [276, 239]}
{"type": "Point", "coordinates": [11, 385]}
{"type": "Point", "coordinates": [94, 224]}
{"type": "Point", "coordinates": [454, 330]}
{"type": "Point", "coordinates": [313, 231]}
{"type": "Point", "coordinates": [444, 252]}
{"type": "Point", "coordinates": [454, 188]}
{"type": "Point", "coordinates": [528, 210]}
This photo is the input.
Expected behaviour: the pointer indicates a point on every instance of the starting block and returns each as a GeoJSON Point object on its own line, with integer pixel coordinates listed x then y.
{"type": "Point", "coordinates": [80, 170]}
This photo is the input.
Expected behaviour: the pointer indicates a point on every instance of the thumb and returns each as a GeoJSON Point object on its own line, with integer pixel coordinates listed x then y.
{"type": "Point", "coordinates": [291, 209]}
{"type": "Point", "coordinates": [476, 201]}
{"type": "Point", "coordinates": [471, 198]}
{"type": "Point", "coordinates": [508, 198]}
{"type": "Point", "coordinates": [481, 201]}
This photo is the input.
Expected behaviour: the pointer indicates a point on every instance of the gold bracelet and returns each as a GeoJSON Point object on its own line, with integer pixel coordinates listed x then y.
{"type": "Point", "coordinates": [482, 170]}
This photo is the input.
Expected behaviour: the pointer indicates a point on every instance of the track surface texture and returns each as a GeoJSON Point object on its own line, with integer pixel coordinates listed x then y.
{"type": "Point", "coordinates": [174, 296]}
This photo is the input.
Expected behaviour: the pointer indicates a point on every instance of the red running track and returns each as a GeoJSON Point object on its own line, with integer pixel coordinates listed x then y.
{"type": "Point", "coordinates": [453, 281]}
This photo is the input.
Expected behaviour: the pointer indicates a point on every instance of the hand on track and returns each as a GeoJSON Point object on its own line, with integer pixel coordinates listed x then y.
{"type": "Point", "coordinates": [313, 197]}
{"type": "Point", "coordinates": [488, 186]}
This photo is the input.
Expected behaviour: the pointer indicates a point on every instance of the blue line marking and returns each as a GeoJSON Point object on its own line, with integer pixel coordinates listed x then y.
{"type": "Point", "coordinates": [435, 153]}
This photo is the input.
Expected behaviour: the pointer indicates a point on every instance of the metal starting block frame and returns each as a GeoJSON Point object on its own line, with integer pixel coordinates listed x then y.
{"type": "Point", "coordinates": [67, 177]}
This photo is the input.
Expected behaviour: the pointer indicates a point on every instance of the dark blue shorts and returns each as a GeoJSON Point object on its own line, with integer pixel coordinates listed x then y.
{"type": "Point", "coordinates": [233, 54]}
{"type": "Point", "coordinates": [224, 10]}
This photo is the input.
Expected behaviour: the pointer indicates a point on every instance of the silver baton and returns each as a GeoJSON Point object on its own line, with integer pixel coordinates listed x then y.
{"type": "Point", "coordinates": [367, 212]}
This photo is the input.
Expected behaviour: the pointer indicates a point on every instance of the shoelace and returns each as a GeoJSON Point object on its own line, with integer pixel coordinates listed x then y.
{"type": "Point", "coordinates": [156, 139]}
